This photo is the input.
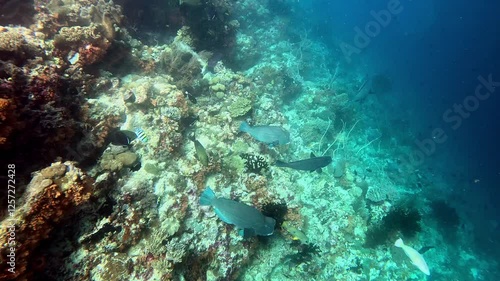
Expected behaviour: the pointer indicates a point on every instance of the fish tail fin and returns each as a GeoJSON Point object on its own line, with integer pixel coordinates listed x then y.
{"type": "Point", "coordinates": [207, 196]}
{"type": "Point", "coordinates": [280, 163]}
{"type": "Point", "coordinates": [244, 127]}
{"type": "Point", "coordinates": [399, 243]}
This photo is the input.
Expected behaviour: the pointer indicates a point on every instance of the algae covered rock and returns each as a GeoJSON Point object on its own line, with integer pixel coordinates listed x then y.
{"type": "Point", "coordinates": [126, 158]}
{"type": "Point", "coordinates": [240, 107]}
{"type": "Point", "coordinates": [115, 162]}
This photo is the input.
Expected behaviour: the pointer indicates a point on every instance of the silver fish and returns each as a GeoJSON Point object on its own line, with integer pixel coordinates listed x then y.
{"type": "Point", "coordinates": [247, 218]}
{"type": "Point", "coordinates": [272, 135]}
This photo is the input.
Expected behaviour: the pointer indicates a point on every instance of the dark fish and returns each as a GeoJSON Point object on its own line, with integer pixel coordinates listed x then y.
{"type": "Point", "coordinates": [312, 164]}
{"type": "Point", "coordinates": [247, 218]}
{"type": "Point", "coordinates": [363, 91]}
{"type": "Point", "coordinates": [121, 137]}
{"type": "Point", "coordinates": [425, 249]}
{"type": "Point", "coordinates": [201, 153]}
{"type": "Point", "coordinates": [191, 97]}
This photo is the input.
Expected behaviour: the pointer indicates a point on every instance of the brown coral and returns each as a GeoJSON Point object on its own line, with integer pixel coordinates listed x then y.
{"type": "Point", "coordinates": [52, 196]}
{"type": "Point", "coordinates": [6, 108]}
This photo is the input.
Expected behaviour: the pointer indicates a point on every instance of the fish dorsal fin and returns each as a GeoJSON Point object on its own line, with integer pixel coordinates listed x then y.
{"type": "Point", "coordinates": [312, 155]}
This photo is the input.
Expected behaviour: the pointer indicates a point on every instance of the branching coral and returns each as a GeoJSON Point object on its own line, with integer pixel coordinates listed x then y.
{"type": "Point", "coordinates": [255, 163]}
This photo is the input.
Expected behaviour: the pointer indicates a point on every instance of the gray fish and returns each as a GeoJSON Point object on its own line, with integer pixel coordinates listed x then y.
{"type": "Point", "coordinates": [272, 135]}
{"type": "Point", "coordinates": [363, 91]}
{"type": "Point", "coordinates": [312, 164]}
{"type": "Point", "coordinates": [201, 153]}
{"type": "Point", "coordinates": [248, 219]}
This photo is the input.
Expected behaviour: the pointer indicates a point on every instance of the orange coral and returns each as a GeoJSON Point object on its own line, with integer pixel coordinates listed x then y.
{"type": "Point", "coordinates": [4, 106]}
{"type": "Point", "coordinates": [90, 54]}
{"type": "Point", "coordinates": [52, 195]}
{"type": "Point", "coordinates": [7, 117]}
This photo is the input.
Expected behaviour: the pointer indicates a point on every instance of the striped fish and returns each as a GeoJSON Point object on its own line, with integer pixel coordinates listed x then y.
{"type": "Point", "coordinates": [141, 135]}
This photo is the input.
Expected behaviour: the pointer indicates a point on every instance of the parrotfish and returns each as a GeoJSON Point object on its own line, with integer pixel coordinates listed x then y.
{"type": "Point", "coordinates": [416, 258]}
{"type": "Point", "coordinates": [247, 218]}
{"type": "Point", "coordinates": [311, 164]}
{"type": "Point", "coordinates": [272, 135]}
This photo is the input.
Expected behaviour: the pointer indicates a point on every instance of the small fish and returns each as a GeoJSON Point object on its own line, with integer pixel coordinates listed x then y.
{"type": "Point", "coordinates": [141, 135]}
{"type": "Point", "coordinates": [296, 233]}
{"type": "Point", "coordinates": [247, 218]}
{"type": "Point", "coordinates": [312, 164]}
{"type": "Point", "coordinates": [272, 135]}
{"type": "Point", "coordinates": [191, 97]}
{"type": "Point", "coordinates": [416, 258]}
{"type": "Point", "coordinates": [201, 153]}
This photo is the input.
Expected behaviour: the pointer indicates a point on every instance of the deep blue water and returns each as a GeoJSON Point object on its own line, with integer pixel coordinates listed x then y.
{"type": "Point", "coordinates": [434, 52]}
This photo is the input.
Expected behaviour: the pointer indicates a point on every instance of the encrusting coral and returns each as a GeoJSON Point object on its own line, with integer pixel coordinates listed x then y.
{"type": "Point", "coordinates": [52, 196]}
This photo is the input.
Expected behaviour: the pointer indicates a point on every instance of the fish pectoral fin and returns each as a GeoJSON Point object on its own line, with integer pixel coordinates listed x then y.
{"type": "Point", "coordinates": [273, 144]}
{"type": "Point", "coordinates": [319, 171]}
{"type": "Point", "coordinates": [222, 217]}
{"type": "Point", "coordinates": [246, 232]}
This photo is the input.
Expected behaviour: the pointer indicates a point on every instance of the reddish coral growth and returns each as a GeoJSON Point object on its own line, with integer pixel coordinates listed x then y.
{"type": "Point", "coordinates": [90, 54]}
{"type": "Point", "coordinates": [199, 178]}
{"type": "Point", "coordinates": [102, 129]}
{"type": "Point", "coordinates": [180, 102]}
{"type": "Point", "coordinates": [43, 87]}
{"type": "Point", "coordinates": [52, 196]}
{"type": "Point", "coordinates": [293, 215]}
{"type": "Point", "coordinates": [7, 118]}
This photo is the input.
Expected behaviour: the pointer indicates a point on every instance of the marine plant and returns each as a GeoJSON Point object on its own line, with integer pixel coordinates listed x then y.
{"type": "Point", "coordinates": [254, 163]}
{"type": "Point", "coordinates": [305, 253]}
{"type": "Point", "coordinates": [399, 220]}
{"type": "Point", "coordinates": [276, 211]}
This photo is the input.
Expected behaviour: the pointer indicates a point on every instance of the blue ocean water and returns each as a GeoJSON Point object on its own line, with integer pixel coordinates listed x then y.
{"type": "Point", "coordinates": [438, 55]}
{"type": "Point", "coordinates": [370, 140]}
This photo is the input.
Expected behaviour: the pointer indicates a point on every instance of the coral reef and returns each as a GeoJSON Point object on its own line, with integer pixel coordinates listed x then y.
{"type": "Point", "coordinates": [53, 195]}
{"type": "Point", "coordinates": [398, 220]}
{"type": "Point", "coordinates": [74, 73]}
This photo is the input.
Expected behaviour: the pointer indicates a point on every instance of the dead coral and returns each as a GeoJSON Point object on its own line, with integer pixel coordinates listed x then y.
{"type": "Point", "coordinates": [17, 45]}
{"type": "Point", "coordinates": [52, 196]}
